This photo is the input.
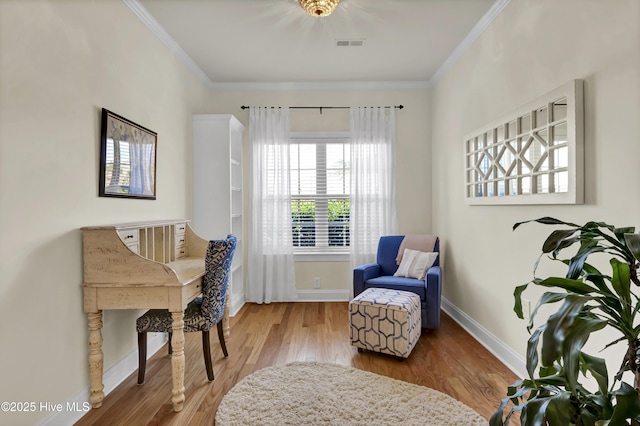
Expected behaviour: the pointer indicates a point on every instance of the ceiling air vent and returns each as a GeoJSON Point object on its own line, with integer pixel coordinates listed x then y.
{"type": "Point", "coordinates": [351, 42]}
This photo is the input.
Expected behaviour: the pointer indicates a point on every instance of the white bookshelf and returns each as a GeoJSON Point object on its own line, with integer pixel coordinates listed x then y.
{"type": "Point", "coordinates": [217, 189]}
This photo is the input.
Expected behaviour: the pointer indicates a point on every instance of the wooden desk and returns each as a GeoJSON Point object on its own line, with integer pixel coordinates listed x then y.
{"type": "Point", "coordinates": [141, 266]}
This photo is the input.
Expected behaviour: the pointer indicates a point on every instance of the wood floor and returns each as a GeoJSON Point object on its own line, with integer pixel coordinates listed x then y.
{"type": "Point", "coordinates": [448, 360]}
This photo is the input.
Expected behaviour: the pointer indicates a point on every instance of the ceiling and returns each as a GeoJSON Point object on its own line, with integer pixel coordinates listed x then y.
{"type": "Point", "coordinates": [275, 41]}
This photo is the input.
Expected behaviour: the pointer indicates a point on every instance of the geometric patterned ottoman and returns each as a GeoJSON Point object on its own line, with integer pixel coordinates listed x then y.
{"type": "Point", "coordinates": [386, 321]}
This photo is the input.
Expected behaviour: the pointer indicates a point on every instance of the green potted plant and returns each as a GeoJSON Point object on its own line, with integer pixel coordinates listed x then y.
{"type": "Point", "coordinates": [590, 300]}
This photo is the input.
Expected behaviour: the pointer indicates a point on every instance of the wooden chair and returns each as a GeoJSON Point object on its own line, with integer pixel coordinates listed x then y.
{"type": "Point", "coordinates": [201, 314]}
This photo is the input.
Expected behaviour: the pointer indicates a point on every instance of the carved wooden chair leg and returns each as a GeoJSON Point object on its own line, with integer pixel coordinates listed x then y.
{"type": "Point", "coordinates": [170, 348]}
{"type": "Point", "coordinates": [142, 356]}
{"type": "Point", "coordinates": [221, 337]}
{"type": "Point", "coordinates": [206, 349]}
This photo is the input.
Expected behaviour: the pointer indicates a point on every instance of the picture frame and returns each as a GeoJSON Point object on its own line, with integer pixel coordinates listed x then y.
{"type": "Point", "coordinates": [127, 158]}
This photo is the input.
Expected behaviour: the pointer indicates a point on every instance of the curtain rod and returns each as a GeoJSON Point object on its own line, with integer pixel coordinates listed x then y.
{"type": "Point", "coordinates": [321, 107]}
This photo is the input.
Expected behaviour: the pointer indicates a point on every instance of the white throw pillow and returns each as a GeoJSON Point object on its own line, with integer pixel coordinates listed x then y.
{"type": "Point", "coordinates": [415, 263]}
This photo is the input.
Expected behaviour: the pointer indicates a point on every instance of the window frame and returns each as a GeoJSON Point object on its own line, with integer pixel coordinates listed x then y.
{"type": "Point", "coordinates": [322, 254]}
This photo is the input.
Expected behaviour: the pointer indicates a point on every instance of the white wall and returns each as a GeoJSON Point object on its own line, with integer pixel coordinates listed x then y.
{"type": "Point", "coordinates": [533, 47]}
{"type": "Point", "coordinates": [413, 152]}
{"type": "Point", "coordinates": [60, 63]}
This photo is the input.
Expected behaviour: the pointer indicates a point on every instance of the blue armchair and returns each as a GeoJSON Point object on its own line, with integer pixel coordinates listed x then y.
{"type": "Point", "coordinates": [380, 275]}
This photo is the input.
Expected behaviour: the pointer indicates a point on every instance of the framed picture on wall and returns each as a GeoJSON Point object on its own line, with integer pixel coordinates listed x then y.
{"type": "Point", "coordinates": [127, 158]}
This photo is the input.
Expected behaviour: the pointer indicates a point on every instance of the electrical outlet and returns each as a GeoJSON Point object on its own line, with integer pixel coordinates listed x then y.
{"type": "Point", "coordinates": [316, 282]}
{"type": "Point", "coordinates": [526, 308]}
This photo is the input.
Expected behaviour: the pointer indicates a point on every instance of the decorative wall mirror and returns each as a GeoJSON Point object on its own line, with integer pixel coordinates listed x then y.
{"type": "Point", "coordinates": [128, 158]}
{"type": "Point", "coordinates": [532, 156]}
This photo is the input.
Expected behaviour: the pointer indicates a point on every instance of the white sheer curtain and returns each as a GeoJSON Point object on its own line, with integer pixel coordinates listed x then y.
{"type": "Point", "coordinates": [271, 267]}
{"type": "Point", "coordinates": [373, 183]}
{"type": "Point", "coordinates": [142, 174]}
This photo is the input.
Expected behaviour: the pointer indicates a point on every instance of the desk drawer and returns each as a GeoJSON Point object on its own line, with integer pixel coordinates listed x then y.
{"type": "Point", "coordinates": [131, 238]}
{"type": "Point", "coordinates": [193, 290]}
{"type": "Point", "coordinates": [181, 240]}
{"type": "Point", "coordinates": [180, 228]}
{"type": "Point", "coordinates": [180, 252]}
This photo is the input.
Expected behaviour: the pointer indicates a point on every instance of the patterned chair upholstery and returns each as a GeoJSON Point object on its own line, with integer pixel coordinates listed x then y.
{"type": "Point", "coordinates": [202, 313]}
{"type": "Point", "coordinates": [385, 321]}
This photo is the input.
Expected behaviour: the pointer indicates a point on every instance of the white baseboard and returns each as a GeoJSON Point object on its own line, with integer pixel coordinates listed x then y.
{"type": "Point", "coordinates": [77, 406]}
{"type": "Point", "coordinates": [323, 295]}
{"type": "Point", "coordinates": [504, 353]}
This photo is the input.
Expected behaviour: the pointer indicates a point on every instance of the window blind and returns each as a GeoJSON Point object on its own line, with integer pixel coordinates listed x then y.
{"type": "Point", "coordinates": [320, 183]}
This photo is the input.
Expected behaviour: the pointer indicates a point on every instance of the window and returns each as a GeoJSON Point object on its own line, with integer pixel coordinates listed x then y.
{"type": "Point", "coordinates": [117, 166]}
{"type": "Point", "coordinates": [320, 181]}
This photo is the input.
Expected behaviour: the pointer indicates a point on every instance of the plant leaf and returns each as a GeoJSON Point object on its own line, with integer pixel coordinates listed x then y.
{"type": "Point", "coordinates": [571, 285]}
{"type": "Point", "coordinates": [517, 390]}
{"type": "Point", "coordinates": [576, 263]}
{"type": "Point", "coordinates": [627, 405]}
{"type": "Point", "coordinates": [633, 244]}
{"type": "Point", "coordinates": [535, 411]}
{"type": "Point", "coordinates": [598, 369]}
{"type": "Point", "coordinates": [558, 239]}
{"type": "Point", "coordinates": [621, 283]}
{"type": "Point", "coordinates": [618, 243]}
{"type": "Point", "coordinates": [564, 244]}
{"type": "Point", "coordinates": [600, 404]}
{"type": "Point", "coordinates": [597, 279]}
{"type": "Point", "coordinates": [546, 298]}
{"type": "Point", "coordinates": [558, 326]}
{"type": "Point", "coordinates": [556, 380]}
{"type": "Point", "coordinates": [573, 343]}
{"type": "Point", "coordinates": [532, 350]}
{"type": "Point", "coordinates": [517, 294]}
{"type": "Point", "coordinates": [560, 411]}
{"type": "Point", "coordinates": [496, 418]}
{"type": "Point", "coordinates": [546, 221]}
{"type": "Point", "coordinates": [619, 232]}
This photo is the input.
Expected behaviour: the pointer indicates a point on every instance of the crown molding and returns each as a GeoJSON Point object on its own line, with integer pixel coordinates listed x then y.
{"type": "Point", "coordinates": [143, 14]}
{"type": "Point", "coordinates": [321, 85]}
{"type": "Point", "coordinates": [475, 32]}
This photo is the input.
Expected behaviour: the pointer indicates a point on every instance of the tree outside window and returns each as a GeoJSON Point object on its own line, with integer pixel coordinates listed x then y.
{"type": "Point", "coordinates": [320, 204]}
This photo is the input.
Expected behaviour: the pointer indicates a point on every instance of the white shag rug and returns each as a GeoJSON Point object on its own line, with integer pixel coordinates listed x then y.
{"type": "Point", "coordinates": [329, 394]}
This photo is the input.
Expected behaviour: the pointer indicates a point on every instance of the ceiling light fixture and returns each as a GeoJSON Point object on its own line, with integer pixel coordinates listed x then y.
{"type": "Point", "coordinates": [319, 7]}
